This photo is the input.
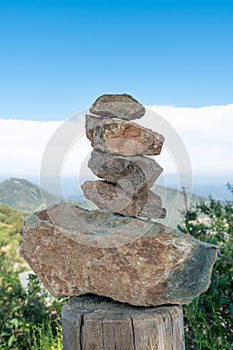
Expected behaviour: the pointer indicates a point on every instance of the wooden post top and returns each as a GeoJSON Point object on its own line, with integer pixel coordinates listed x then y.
{"type": "Point", "coordinates": [96, 323]}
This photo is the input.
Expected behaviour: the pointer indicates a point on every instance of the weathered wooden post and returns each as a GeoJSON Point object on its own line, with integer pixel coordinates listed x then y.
{"type": "Point", "coordinates": [118, 251]}
{"type": "Point", "coordinates": [95, 323]}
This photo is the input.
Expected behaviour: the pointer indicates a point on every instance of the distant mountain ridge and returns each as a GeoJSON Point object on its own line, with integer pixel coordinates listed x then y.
{"type": "Point", "coordinates": [21, 194]}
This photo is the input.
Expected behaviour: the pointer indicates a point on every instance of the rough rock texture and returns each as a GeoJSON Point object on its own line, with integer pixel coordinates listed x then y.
{"type": "Point", "coordinates": [132, 174]}
{"type": "Point", "coordinates": [159, 267]}
{"type": "Point", "coordinates": [118, 106]}
{"type": "Point", "coordinates": [122, 137]}
{"type": "Point", "coordinates": [108, 196]}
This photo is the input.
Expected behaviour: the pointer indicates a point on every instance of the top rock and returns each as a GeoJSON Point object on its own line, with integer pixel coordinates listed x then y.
{"type": "Point", "coordinates": [118, 106]}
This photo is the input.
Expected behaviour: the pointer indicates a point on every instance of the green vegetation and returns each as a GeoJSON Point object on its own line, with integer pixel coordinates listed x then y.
{"type": "Point", "coordinates": [31, 320]}
{"type": "Point", "coordinates": [209, 319]}
{"type": "Point", "coordinates": [27, 320]}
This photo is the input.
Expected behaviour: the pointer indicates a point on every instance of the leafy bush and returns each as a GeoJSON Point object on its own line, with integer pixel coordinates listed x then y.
{"type": "Point", "coordinates": [27, 320]}
{"type": "Point", "coordinates": [209, 318]}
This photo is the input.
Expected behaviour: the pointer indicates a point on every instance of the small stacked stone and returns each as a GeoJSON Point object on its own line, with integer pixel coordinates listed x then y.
{"type": "Point", "coordinates": [120, 158]}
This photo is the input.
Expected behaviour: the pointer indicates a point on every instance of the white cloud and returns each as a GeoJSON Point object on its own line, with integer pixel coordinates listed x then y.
{"type": "Point", "coordinates": [206, 133]}
{"type": "Point", "coordinates": [22, 144]}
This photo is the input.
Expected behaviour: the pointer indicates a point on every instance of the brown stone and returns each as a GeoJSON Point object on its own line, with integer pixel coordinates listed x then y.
{"type": "Point", "coordinates": [122, 137]}
{"type": "Point", "coordinates": [108, 196]}
{"type": "Point", "coordinates": [118, 106]}
{"type": "Point", "coordinates": [132, 174]}
{"type": "Point", "coordinates": [66, 247]}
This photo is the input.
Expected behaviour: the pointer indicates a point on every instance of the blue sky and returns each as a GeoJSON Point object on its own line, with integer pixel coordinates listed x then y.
{"type": "Point", "coordinates": [57, 57]}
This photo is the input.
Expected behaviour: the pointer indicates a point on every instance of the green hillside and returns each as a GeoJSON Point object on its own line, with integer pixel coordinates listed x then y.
{"type": "Point", "coordinates": [21, 194]}
{"type": "Point", "coordinates": [10, 225]}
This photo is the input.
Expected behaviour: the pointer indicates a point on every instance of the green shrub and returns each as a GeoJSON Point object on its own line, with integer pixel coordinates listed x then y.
{"type": "Point", "coordinates": [27, 320]}
{"type": "Point", "coordinates": [209, 318]}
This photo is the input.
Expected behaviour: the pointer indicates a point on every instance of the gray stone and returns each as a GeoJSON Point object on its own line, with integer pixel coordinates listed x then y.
{"type": "Point", "coordinates": [122, 137]}
{"type": "Point", "coordinates": [66, 247]}
{"type": "Point", "coordinates": [132, 174]}
{"type": "Point", "coordinates": [118, 106]}
{"type": "Point", "coordinates": [110, 197]}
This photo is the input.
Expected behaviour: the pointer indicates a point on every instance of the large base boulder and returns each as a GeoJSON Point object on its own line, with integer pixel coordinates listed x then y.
{"type": "Point", "coordinates": [75, 251]}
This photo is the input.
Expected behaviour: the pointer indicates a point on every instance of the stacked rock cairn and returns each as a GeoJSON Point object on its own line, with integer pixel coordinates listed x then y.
{"type": "Point", "coordinates": [119, 158]}
{"type": "Point", "coordinates": [115, 251]}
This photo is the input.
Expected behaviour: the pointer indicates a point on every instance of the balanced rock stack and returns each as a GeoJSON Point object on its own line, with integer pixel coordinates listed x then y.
{"type": "Point", "coordinates": [119, 158]}
{"type": "Point", "coordinates": [111, 251]}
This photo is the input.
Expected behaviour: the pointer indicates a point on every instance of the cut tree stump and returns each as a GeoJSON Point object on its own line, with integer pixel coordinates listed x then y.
{"type": "Point", "coordinates": [96, 323]}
